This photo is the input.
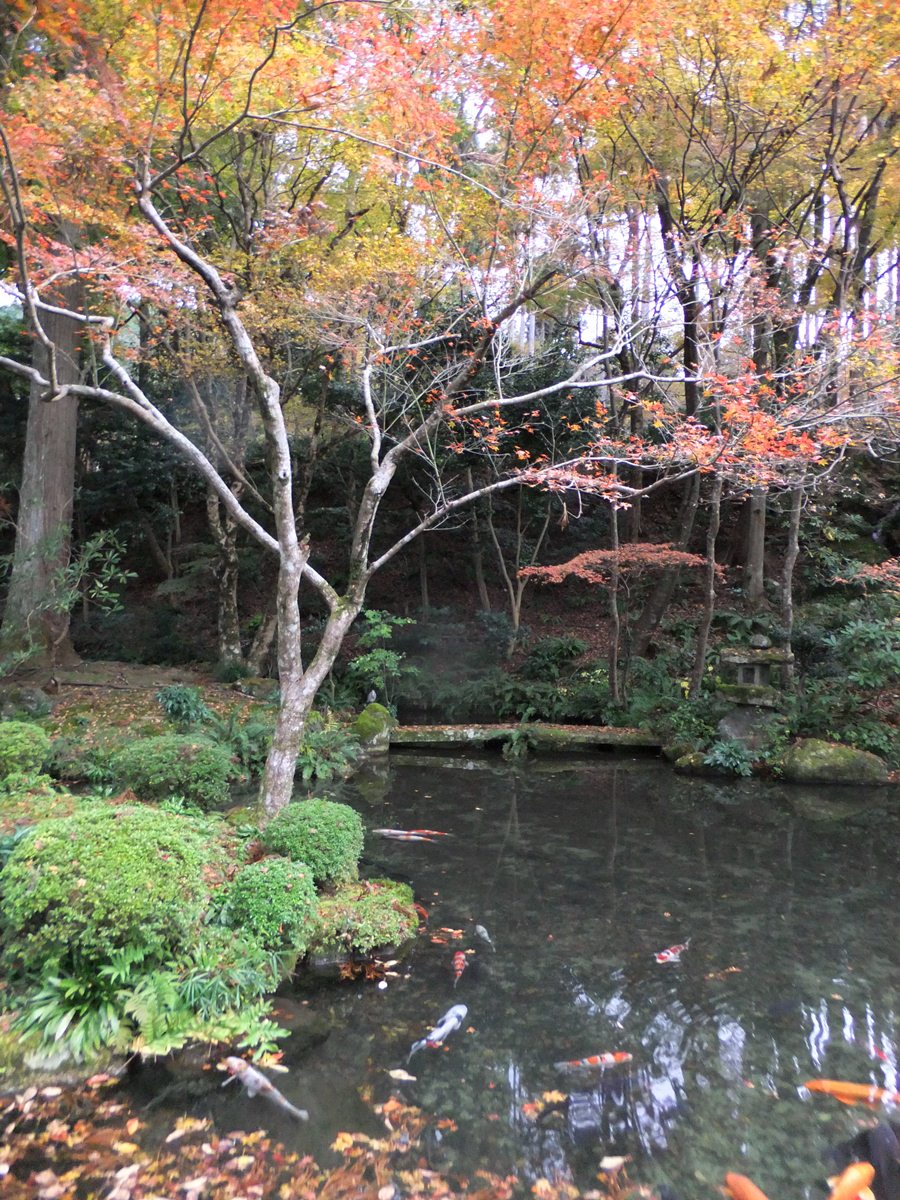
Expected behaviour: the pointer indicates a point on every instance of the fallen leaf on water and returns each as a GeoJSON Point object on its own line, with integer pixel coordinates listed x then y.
{"type": "Point", "coordinates": [399, 1073]}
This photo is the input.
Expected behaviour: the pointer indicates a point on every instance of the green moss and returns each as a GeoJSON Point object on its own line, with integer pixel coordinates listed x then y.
{"type": "Point", "coordinates": [23, 748]}
{"type": "Point", "coordinates": [362, 916]}
{"type": "Point", "coordinates": [328, 837]}
{"type": "Point", "coordinates": [811, 760]}
{"type": "Point", "coordinates": [80, 887]}
{"type": "Point", "coordinates": [273, 902]}
{"type": "Point", "coordinates": [749, 693]}
{"type": "Point", "coordinates": [373, 723]}
{"type": "Point", "coordinates": [175, 765]}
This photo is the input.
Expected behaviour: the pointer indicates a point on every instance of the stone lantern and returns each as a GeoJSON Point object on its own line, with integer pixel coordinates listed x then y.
{"type": "Point", "coordinates": [753, 683]}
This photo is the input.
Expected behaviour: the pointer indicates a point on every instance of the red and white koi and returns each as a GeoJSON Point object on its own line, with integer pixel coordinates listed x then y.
{"type": "Point", "coordinates": [256, 1084]}
{"type": "Point", "coordinates": [460, 962]}
{"type": "Point", "coordinates": [449, 1023]}
{"type": "Point", "coordinates": [403, 835]}
{"type": "Point", "coordinates": [672, 954]}
{"type": "Point", "coordinates": [612, 1058]}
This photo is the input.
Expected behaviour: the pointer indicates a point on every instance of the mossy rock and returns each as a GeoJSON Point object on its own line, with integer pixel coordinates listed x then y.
{"type": "Point", "coordinates": [363, 916]}
{"type": "Point", "coordinates": [372, 728]}
{"type": "Point", "coordinates": [810, 760]}
{"type": "Point", "coordinates": [695, 763]}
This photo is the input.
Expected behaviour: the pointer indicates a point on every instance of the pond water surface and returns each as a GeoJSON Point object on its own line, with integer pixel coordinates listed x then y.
{"type": "Point", "coordinates": [581, 871]}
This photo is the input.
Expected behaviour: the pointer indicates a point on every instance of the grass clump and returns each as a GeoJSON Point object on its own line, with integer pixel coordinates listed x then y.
{"type": "Point", "coordinates": [175, 765]}
{"type": "Point", "coordinates": [24, 748]}
{"type": "Point", "coordinates": [327, 836]}
{"type": "Point", "coordinates": [364, 915]}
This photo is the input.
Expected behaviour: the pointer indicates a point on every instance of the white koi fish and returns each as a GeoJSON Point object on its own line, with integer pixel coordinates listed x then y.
{"type": "Point", "coordinates": [256, 1084]}
{"type": "Point", "coordinates": [449, 1023]}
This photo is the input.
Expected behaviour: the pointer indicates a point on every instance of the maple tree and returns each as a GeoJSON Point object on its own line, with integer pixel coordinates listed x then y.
{"type": "Point", "coordinates": [379, 192]}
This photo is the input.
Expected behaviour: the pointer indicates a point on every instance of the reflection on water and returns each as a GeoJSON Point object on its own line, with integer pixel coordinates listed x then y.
{"type": "Point", "coordinates": [581, 872]}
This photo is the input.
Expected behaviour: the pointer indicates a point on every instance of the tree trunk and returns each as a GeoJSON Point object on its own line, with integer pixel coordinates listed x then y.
{"type": "Point", "coordinates": [787, 584]}
{"type": "Point", "coordinates": [659, 599]}
{"type": "Point", "coordinates": [754, 559]}
{"type": "Point", "coordinates": [262, 640]}
{"type": "Point", "coordinates": [37, 610]}
{"type": "Point", "coordinates": [224, 532]}
{"type": "Point", "coordinates": [484, 598]}
{"type": "Point", "coordinates": [615, 621]}
{"type": "Point", "coordinates": [423, 576]}
{"type": "Point", "coordinates": [709, 606]}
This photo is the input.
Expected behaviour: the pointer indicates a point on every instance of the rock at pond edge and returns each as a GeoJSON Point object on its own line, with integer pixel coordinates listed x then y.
{"type": "Point", "coordinates": [811, 760]}
{"type": "Point", "coordinates": [372, 728]}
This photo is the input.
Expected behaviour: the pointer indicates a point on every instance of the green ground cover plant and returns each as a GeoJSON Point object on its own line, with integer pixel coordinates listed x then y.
{"type": "Point", "coordinates": [327, 836]}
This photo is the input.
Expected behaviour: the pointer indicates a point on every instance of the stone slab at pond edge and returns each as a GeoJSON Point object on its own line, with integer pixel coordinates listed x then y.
{"type": "Point", "coordinates": [542, 738]}
{"type": "Point", "coordinates": [810, 760]}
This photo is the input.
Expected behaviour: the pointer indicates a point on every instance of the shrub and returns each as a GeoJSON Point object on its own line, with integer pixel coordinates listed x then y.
{"type": "Point", "coordinates": [81, 887]}
{"type": "Point", "coordinates": [23, 747]}
{"type": "Point", "coordinates": [729, 756]}
{"type": "Point", "coordinates": [362, 916]}
{"type": "Point", "coordinates": [274, 903]}
{"type": "Point", "coordinates": [328, 837]}
{"type": "Point", "coordinates": [175, 765]}
{"type": "Point", "coordinates": [182, 705]}
{"type": "Point", "coordinates": [551, 655]}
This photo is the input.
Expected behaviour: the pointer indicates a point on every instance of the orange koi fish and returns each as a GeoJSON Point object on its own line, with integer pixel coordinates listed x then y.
{"type": "Point", "coordinates": [601, 1061]}
{"type": "Point", "coordinates": [742, 1188]}
{"type": "Point", "coordinates": [848, 1185]}
{"type": "Point", "coordinates": [429, 832]}
{"type": "Point", "coordinates": [460, 962]}
{"type": "Point", "coordinates": [853, 1093]}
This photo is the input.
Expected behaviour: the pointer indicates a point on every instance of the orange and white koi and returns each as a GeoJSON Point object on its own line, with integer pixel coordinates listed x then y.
{"type": "Point", "coordinates": [853, 1093]}
{"type": "Point", "coordinates": [672, 954]}
{"type": "Point", "coordinates": [430, 832]}
{"type": "Point", "coordinates": [850, 1183]}
{"type": "Point", "coordinates": [460, 962]}
{"type": "Point", "coordinates": [742, 1188]}
{"type": "Point", "coordinates": [256, 1084]}
{"type": "Point", "coordinates": [403, 835]}
{"type": "Point", "coordinates": [595, 1061]}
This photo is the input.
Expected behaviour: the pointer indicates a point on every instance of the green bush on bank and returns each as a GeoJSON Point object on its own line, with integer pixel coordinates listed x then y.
{"type": "Point", "coordinates": [327, 836]}
{"type": "Point", "coordinates": [175, 765]}
{"type": "Point", "coordinates": [23, 748]}
{"type": "Point", "coordinates": [83, 886]}
{"type": "Point", "coordinates": [273, 902]}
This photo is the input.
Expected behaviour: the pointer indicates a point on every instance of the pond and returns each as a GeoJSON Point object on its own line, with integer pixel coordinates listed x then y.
{"type": "Point", "coordinates": [582, 871]}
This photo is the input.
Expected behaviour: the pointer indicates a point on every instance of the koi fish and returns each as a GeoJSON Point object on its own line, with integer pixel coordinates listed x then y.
{"type": "Point", "coordinates": [430, 832]}
{"type": "Point", "coordinates": [482, 933]}
{"type": "Point", "coordinates": [403, 835]}
{"type": "Point", "coordinates": [256, 1084]}
{"type": "Point", "coordinates": [672, 954]}
{"type": "Point", "coordinates": [851, 1182]}
{"type": "Point", "coordinates": [449, 1023]}
{"type": "Point", "coordinates": [601, 1061]}
{"type": "Point", "coordinates": [742, 1188]}
{"type": "Point", "coordinates": [853, 1093]}
{"type": "Point", "coordinates": [460, 962]}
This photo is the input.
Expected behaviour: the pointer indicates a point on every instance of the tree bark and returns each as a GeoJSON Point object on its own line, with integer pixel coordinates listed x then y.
{"type": "Point", "coordinates": [787, 584]}
{"type": "Point", "coordinates": [224, 531]}
{"type": "Point", "coordinates": [709, 606]}
{"type": "Point", "coordinates": [37, 613]}
{"type": "Point", "coordinates": [615, 620]}
{"type": "Point", "coordinates": [755, 557]}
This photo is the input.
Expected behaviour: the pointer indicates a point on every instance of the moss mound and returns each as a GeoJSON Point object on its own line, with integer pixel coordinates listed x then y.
{"type": "Point", "coordinates": [273, 902]}
{"type": "Point", "coordinates": [364, 915]}
{"type": "Point", "coordinates": [328, 837]}
{"type": "Point", "coordinates": [24, 748]}
{"type": "Point", "coordinates": [811, 760]}
{"type": "Point", "coordinates": [80, 887]}
{"type": "Point", "coordinates": [174, 765]}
